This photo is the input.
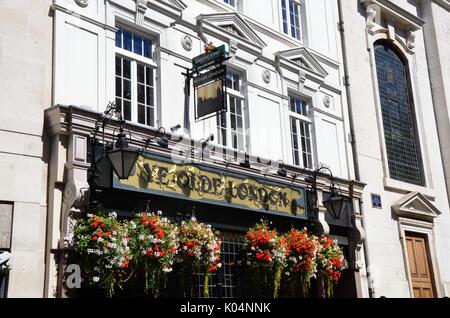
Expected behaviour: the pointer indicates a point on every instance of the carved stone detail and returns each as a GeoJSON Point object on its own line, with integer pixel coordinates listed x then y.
{"type": "Point", "coordinates": [411, 40]}
{"type": "Point", "coordinates": [266, 76]}
{"type": "Point", "coordinates": [75, 195]}
{"type": "Point", "coordinates": [82, 3]}
{"type": "Point", "coordinates": [186, 42]}
{"type": "Point", "coordinates": [326, 101]}
{"type": "Point", "coordinates": [141, 8]}
{"type": "Point", "coordinates": [371, 14]}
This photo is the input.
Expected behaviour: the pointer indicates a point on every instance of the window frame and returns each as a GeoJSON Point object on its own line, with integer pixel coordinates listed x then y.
{"type": "Point", "coordinates": [136, 59]}
{"type": "Point", "coordinates": [301, 24]}
{"type": "Point", "coordinates": [299, 119]}
{"type": "Point", "coordinates": [418, 138]}
{"type": "Point", "coordinates": [232, 93]}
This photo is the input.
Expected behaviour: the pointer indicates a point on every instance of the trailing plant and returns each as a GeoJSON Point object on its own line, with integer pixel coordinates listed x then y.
{"type": "Point", "coordinates": [301, 258]}
{"type": "Point", "coordinates": [199, 250]}
{"type": "Point", "coordinates": [330, 262]}
{"type": "Point", "coordinates": [102, 243]}
{"type": "Point", "coordinates": [154, 245]}
{"type": "Point", "coordinates": [264, 253]}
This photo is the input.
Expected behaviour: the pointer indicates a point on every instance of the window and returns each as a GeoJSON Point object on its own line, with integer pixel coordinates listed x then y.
{"type": "Point", "coordinates": [400, 133]}
{"type": "Point", "coordinates": [290, 12]}
{"type": "Point", "coordinates": [232, 3]}
{"type": "Point", "coordinates": [300, 126]}
{"type": "Point", "coordinates": [231, 124]}
{"type": "Point", "coordinates": [135, 77]}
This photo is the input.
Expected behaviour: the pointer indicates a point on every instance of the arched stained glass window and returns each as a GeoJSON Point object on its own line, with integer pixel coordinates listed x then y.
{"type": "Point", "coordinates": [400, 133]}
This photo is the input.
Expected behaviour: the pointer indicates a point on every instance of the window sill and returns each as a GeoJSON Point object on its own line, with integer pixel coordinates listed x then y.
{"type": "Point", "coordinates": [403, 187]}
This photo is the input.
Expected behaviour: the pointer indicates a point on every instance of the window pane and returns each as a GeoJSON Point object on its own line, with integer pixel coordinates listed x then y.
{"type": "Point", "coordinates": [141, 114]}
{"type": "Point", "coordinates": [150, 116]}
{"type": "Point", "coordinates": [141, 93]}
{"type": "Point", "coordinates": [119, 38]}
{"type": "Point", "coordinates": [118, 66]}
{"type": "Point", "coordinates": [239, 122]}
{"type": "Point", "coordinates": [127, 110]}
{"type": "Point", "coordinates": [232, 106]}
{"type": "Point", "coordinates": [127, 40]}
{"type": "Point", "coordinates": [147, 48]}
{"type": "Point", "coordinates": [137, 44]}
{"type": "Point", "coordinates": [126, 89]}
{"type": "Point", "coordinates": [239, 107]}
{"type": "Point", "coordinates": [233, 121]}
{"type": "Point", "coordinates": [149, 93]}
{"type": "Point", "coordinates": [118, 86]}
{"type": "Point", "coordinates": [126, 69]}
{"type": "Point", "coordinates": [141, 73]}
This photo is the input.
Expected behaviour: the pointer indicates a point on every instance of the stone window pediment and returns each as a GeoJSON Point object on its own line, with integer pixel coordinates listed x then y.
{"type": "Point", "coordinates": [303, 59]}
{"type": "Point", "coordinates": [415, 206]}
{"type": "Point", "coordinates": [234, 25]}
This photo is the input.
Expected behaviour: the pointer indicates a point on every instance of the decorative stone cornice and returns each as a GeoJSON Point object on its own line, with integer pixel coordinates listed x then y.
{"type": "Point", "coordinates": [387, 10]}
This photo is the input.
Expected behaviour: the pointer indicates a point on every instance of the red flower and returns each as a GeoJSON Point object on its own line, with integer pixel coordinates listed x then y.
{"type": "Point", "coordinates": [160, 233]}
{"type": "Point", "coordinates": [149, 253]}
{"type": "Point", "coordinates": [94, 238]}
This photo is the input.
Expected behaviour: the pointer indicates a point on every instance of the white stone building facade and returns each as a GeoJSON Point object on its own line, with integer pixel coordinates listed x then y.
{"type": "Point", "coordinates": [300, 89]}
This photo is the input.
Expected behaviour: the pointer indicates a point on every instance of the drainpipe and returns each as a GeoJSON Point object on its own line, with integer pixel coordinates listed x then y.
{"type": "Point", "coordinates": [280, 72]}
{"type": "Point", "coordinates": [352, 134]}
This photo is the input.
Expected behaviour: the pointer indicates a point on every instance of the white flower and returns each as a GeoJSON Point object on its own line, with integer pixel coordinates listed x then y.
{"type": "Point", "coordinates": [141, 237]}
{"type": "Point", "coordinates": [219, 265]}
{"type": "Point", "coordinates": [96, 279]}
{"type": "Point", "coordinates": [99, 239]}
{"type": "Point", "coordinates": [159, 212]}
{"type": "Point", "coordinates": [185, 247]}
{"type": "Point", "coordinates": [157, 254]}
{"type": "Point", "coordinates": [252, 248]}
{"type": "Point", "coordinates": [272, 240]}
{"type": "Point", "coordinates": [248, 262]}
{"type": "Point", "coordinates": [167, 270]}
{"type": "Point", "coordinates": [287, 273]}
{"type": "Point", "coordinates": [112, 215]}
{"type": "Point", "coordinates": [193, 218]}
{"type": "Point", "coordinates": [89, 215]}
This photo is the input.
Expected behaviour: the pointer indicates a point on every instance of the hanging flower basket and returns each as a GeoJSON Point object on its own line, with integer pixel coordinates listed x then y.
{"type": "Point", "coordinates": [264, 253]}
{"type": "Point", "coordinates": [199, 250]}
{"type": "Point", "coordinates": [154, 245]}
{"type": "Point", "coordinates": [301, 258]}
{"type": "Point", "coordinates": [330, 261]}
{"type": "Point", "coordinates": [102, 243]}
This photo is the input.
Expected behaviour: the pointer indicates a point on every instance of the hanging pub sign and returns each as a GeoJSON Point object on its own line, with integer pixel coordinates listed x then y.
{"type": "Point", "coordinates": [196, 182]}
{"type": "Point", "coordinates": [215, 56]}
{"type": "Point", "coordinates": [210, 92]}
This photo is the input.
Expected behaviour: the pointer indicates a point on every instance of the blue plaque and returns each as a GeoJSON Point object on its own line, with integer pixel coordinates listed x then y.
{"type": "Point", "coordinates": [376, 201]}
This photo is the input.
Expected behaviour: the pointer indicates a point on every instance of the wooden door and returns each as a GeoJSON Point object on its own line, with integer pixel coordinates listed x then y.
{"type": "Point", "coordinates": [419, 266]}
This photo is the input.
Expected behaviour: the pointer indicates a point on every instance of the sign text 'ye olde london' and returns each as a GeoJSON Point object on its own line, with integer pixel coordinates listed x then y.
{"type": "Point", "coordinates": [191, 182]}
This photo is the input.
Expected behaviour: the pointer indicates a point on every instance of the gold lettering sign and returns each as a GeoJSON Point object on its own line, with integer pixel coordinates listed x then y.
{"type": "Point", "coordinates": [191, 182]}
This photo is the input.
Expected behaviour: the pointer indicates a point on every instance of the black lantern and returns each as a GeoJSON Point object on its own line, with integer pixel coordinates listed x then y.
{"type": "Point", "coordinates": [122, 157]}
{"type": "Point", "coordinates": [335, 203]}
